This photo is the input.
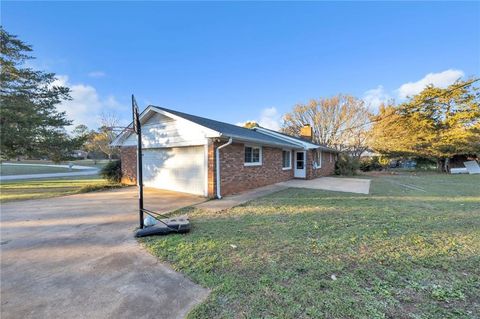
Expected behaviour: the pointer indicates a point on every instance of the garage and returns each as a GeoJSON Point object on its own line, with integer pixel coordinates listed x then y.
{"type": "Point", "coordinates": [181, 169]}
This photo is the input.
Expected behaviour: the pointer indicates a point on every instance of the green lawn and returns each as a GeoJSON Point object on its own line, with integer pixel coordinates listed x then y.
{"type": "Point", "coordinates": [6, 170]}
{"type": "Point", "coordinates": [35, 189]}
{"type": "Point", "coordinates": [87, 162]}
{"type": "Point", "coordinates": [410, 249]}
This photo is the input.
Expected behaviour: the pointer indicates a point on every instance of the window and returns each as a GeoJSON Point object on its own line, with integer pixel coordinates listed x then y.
{"type": "Point", "coordinates": [286, 160]}
{"type": "Point", "coordinates": [317, 159]}
{"type": "Point", "coordinates": [300, 160]}
{"type": "Point", "coordinates": [253, 155]}
{"type": "Point", "coordinates": [331, 157]}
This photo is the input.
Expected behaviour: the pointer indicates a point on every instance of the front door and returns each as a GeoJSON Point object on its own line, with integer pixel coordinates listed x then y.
{"type": "Point", "coordinates": [300, 164]}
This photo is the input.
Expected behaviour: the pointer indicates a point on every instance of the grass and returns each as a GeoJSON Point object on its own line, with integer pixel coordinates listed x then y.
{"type": "Point", "coordinates": [6, 170]}
{"type": "Point", "coordinates": [410, 249]}
{"type": "Point", "coordinates": [36, 189]}
{"type": "Point", "coordinates": [87, 162]}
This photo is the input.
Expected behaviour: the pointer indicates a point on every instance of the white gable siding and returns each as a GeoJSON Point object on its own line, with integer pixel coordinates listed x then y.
{"type": "Point", "coordinates": [162, 131]}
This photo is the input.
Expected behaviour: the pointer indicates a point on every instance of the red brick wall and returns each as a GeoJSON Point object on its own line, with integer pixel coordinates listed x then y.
{"type": "Point", "coordinates": [236, 177]}
{"type": "Point", "coordinates": [328, 168]}
{"type": "Point", "coordinates": [211, 170]}
{"type": "Point", "coordinates": [128, 156]}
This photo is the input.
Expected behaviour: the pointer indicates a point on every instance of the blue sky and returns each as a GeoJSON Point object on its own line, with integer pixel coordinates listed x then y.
{"type": "Point", "coordinates": [238, 61]}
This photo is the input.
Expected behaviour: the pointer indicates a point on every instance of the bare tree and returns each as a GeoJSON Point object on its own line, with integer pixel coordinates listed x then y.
{"type": "Point", "coordinates": [100, 141]}
{"type": "Point", "coordinates": [340, 122]}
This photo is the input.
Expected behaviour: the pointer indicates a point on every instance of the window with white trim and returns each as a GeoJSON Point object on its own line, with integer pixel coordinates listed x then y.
{"type": "Point", "coordinates": [317, 158]}
{"type": "Point", "coordinates": [286, 160]}
{"type": "Point", "coordinates": [331, 157]}
{"type": "Point", "coordinates": [253, 155]}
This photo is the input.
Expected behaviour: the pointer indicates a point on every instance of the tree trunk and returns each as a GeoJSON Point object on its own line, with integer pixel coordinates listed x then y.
{"type": "Point", "coordinates": [440, 164]}
{"type": "Point", "coordinates": [446, 165]}
{"type": "Point", "coordinates": [443, 165]}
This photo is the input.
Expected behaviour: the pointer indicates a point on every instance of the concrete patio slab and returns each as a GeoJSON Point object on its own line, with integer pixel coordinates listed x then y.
{"type": "Point", "coordinates": [75, 257]}
{"type": "Point", "coordinates": [338, 184]}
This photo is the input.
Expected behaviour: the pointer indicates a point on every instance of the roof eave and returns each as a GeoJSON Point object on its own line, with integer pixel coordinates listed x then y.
{"type": "Point", "coordinates": [306, 144]}
{"type": "Point", "coordinates": [260, 142]}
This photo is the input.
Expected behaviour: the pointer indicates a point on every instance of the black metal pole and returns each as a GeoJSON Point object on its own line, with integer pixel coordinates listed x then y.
{"type": "Point", "coordinates": [139, 165]}
{"type": "Point", "coordinates": [140, 177]}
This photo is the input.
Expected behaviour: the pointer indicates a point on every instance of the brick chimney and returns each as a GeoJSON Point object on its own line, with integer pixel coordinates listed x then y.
{"type": "Point", "coordinates": [306, 132]}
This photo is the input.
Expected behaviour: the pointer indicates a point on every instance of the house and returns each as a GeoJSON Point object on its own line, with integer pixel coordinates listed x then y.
{"type": "Point", "coordinates": [192, 154]}
{"type": "Point", "coordinates": [79, 154]}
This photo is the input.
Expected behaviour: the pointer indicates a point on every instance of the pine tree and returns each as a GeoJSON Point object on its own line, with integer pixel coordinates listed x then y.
{"type": "Point", "coordinates": [30, 124]}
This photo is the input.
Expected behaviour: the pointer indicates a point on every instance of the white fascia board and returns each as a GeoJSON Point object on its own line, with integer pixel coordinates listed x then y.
{"type": "Point", "coordinates": [118, 140]}
{"type": "Point", "coordinates": [259, 142]}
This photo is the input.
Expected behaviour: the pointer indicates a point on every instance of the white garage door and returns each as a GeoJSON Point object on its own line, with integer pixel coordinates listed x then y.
{"type": "Point", "coordinates": [180, 169]}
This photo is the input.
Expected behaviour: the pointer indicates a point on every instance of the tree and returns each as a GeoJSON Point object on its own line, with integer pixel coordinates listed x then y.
{"type": "Point", "coordinates": [340, 122]}
{"type": "Point", "coordinates": [437, 123]}
{"type": "Point", "coordinates": [81, 131]}
{"type": "Point", "coordinates": [250, 124]}
{"type": "Point", "coordinates": [107, 134]}
{"type": "Point", "coordinates": [81, 134]}
{"type": "Point", "coordinates": [100, 141]}
{"type": "Point", "coordinates": [30, 124]}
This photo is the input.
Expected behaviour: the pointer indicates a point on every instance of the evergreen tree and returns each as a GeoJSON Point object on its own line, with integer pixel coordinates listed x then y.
{"type": "Point", "coordinates": [30, 124]}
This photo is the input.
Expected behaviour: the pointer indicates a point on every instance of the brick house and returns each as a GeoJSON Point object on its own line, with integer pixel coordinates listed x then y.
{"type": "Point", "coordinates": [192, 154]}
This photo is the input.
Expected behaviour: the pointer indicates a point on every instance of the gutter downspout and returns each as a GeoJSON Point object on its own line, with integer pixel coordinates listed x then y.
{"type": "Point", "coordinates": [217, 162]}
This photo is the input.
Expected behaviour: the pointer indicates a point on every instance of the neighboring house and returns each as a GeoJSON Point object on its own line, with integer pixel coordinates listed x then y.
{"type": "Point", "coordinates": [192, 154]}
{"type": "Point", "coordinates": [79, 154]}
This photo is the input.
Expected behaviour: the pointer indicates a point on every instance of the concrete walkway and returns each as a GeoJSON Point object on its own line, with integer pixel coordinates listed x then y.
{"type": "Point", "coordinates": [75, 257]}
{"type": "Point", "coordinates": [338, 184]}
{"type": "Point", "coordinates": [217, 205]}
{"type": "Point", "coordinates": [349, 185]}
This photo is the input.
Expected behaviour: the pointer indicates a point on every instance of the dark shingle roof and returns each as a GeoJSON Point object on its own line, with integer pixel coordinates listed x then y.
{"type": "Point", "coordinates": [230, 130]}
{"type": "Point", "coordinates": [322, 146]}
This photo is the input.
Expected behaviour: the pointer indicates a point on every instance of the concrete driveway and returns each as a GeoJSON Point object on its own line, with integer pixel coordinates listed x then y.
{"type": "Point", "coordinates": [75, 257]}
{"type": "Point", "coordinates": [338, 184]}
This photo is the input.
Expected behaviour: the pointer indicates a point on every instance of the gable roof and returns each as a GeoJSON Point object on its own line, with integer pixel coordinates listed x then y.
{"type": "Point", "coordinates": [223, 129]}
{"type": "Point", "coordinates": [230, 130]}
{"type": "Point", "coordinates": [260, 136]}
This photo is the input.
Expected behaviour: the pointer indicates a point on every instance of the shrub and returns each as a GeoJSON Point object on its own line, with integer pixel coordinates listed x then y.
{"type": "Point", "coordinates": [112, 171]}
{"type": "Point", "coordinates": [346, 165]}
{"type": "Point", "coordinates": [373, 163]}
{"type": "Point", "coordinates": [425, 164]}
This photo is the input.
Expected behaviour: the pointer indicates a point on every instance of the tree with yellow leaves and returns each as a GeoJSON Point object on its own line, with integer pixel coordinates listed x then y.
{"type": "Point", "coordinates": [437, 123]}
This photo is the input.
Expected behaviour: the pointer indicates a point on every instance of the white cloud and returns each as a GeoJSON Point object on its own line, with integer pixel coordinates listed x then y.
{"type": "Point", "coordinates": [269, 118]}
{"type": "Point", "coordinates": [376, 97]}
{"type": "Point", "coordinates": [97, 74]}
{"type": "Point", "coordinates": [441, 79]}
{"type": "Point", "coordinates": [86, 106]}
